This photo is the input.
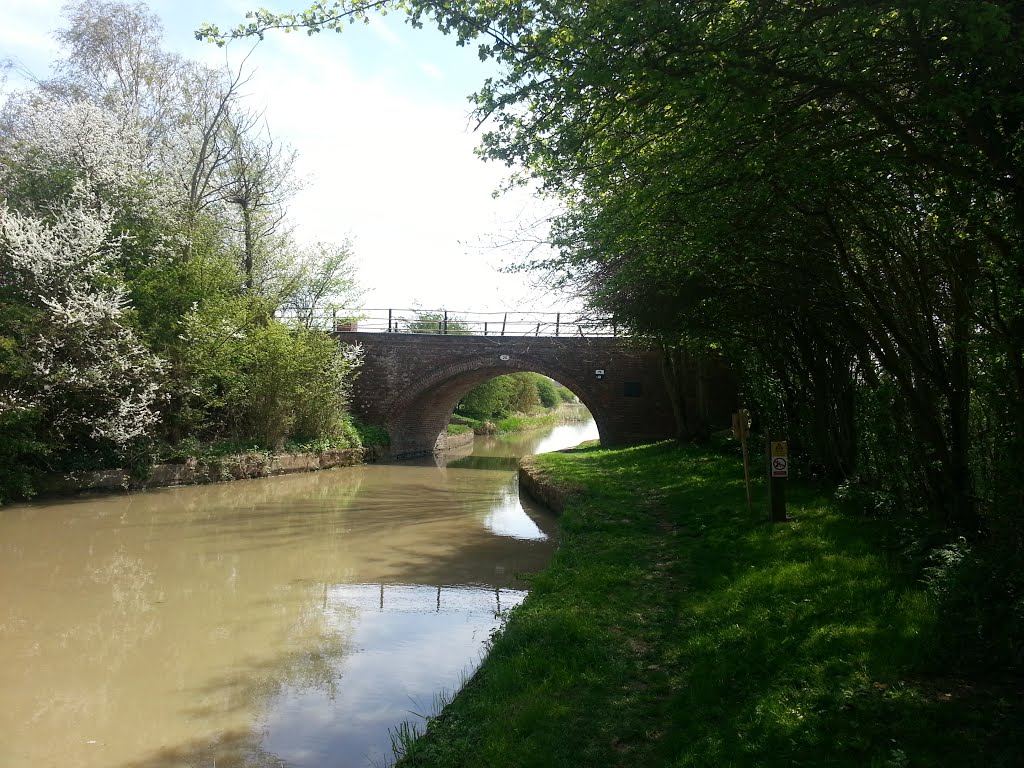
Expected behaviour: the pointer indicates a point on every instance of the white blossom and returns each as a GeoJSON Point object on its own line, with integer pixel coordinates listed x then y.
{"type": "Point", "coordinates": [89, 372]}
{"type": "Point", "coordinates": [50, 134]}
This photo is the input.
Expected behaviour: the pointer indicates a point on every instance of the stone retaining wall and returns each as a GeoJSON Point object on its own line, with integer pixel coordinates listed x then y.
{"type": "Point", "coordinates": [536, 483]}
{"type": "Point", "coordinates": [460, 441]}
{"type": "Point", "coordinates": [242, 466]}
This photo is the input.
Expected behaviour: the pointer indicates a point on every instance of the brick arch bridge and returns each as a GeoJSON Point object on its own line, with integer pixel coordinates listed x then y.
{"type": "Point", "coordinates": [410, 384]}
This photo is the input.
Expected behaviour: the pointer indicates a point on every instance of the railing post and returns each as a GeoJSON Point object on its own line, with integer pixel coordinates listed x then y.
{"type": "Point", "coordinates": [537, 332]}
{"type": "Point", "coordinates": [445, 323]}
{"type": "Point", "coordinates": [558, 322]}
{"type": "Point", "coordinates": [503, 320]}
{"type": "Point", "coordinates": [485, 327]}
{"type": "Point", "coordinates": [389, 321]}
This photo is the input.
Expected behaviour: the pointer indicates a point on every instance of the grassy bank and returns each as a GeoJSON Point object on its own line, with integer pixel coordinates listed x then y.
{"type": "Point", "coordinates": [674, 628]}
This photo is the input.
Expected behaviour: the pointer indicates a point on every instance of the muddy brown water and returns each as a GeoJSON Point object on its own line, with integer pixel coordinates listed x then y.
{"type": "Point", "coordinates": [288, 621]}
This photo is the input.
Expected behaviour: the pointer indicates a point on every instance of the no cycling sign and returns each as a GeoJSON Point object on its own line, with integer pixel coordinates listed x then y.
{"type": "Point", "coordinates": [780, 459]}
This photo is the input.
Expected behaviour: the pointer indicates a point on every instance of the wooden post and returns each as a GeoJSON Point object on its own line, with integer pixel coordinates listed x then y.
{"type": "Point", "coordinates": [778, 471]}
{"type": "Point", "coordinates": [741, 428]}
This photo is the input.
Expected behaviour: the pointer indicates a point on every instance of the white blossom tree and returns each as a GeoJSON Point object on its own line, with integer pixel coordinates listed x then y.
{"type": "Point", "coordinates": [89, 374]}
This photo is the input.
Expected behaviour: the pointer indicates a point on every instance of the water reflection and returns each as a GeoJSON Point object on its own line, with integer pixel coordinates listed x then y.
{"type": "Point", "coordinates": [243, 624]}
{"type": "Point", "coordinates": [500, 463]}
{"type": "Point", "coordinates": [433, 624]}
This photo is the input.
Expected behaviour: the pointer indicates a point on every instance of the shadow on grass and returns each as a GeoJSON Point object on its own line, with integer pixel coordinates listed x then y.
{"type": "Point", "coordinates": [676, 628]}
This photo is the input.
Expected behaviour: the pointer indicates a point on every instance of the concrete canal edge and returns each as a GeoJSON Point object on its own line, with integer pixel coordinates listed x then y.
{"type": "Point", "coordinates": [241, 466]}
{"type": "Point", "coordinates": [460, 441]}
{"type": "Point", "coordinates": [536, 483]}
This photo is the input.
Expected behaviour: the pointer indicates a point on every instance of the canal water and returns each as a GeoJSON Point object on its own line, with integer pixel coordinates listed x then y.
{"type": "Point", "coordinates": [289, 621]}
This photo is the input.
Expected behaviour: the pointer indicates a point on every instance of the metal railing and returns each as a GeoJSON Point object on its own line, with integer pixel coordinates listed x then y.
{"type": "Point", "coordinates": [454, 323]}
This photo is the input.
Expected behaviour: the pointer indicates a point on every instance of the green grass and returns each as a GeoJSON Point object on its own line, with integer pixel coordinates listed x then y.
{"type": "Point", "coordinates": [459, 429]}
{"type": "Point", "coordinates": [674, 628]}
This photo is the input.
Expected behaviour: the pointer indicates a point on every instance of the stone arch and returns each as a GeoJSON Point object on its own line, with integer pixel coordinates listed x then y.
{"type": "Point", "coordinates": [420, 414]}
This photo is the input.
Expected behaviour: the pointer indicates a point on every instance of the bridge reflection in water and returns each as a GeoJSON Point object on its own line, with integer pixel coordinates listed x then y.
{"type": "Point", "coordinates": [419, 598]}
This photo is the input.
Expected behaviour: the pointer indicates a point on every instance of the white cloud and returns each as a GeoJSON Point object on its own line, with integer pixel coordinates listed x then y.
{"type": "Point", "coordinates": [430, 70]}
{"type": "Point", "coordinates": [383, 31]}
{"type": "Point", "coordinates": [397, 173]}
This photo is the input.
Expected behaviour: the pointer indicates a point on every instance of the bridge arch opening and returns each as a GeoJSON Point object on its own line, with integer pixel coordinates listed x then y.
{"type": "Point", "coordinates": [421, 415]}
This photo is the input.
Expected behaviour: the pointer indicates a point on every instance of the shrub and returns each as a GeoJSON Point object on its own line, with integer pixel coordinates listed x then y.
{"type": "Point", "coordinates": [547, 392]}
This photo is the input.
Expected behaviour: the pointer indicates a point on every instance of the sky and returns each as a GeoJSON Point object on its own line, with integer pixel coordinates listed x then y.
{"type": "Point", "coordinates": [379, 116]}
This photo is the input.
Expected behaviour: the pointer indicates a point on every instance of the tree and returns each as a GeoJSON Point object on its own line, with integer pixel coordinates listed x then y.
{"type": "Point", "coordinates": [437, 321]}
{"type": "Point", "coordinates": [258, 180]}
{"type": "Point", "coordinates": [547, 392]}
{"type": "Point", "coordinates": [852, 171]}
{"type": "Point", "coordinates": [81, 370]}
{"type": "Point", "coordinates": [488, 400]}
{"type": "Point", "coordinates": [319, 282]}
{"type": "Point", "coordinates": [115, 60]}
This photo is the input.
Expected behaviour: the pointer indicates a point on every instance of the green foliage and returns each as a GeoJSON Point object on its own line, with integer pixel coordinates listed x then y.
{"type": "Point", "coordinates": [22, 454]}
{"type": "Point", "coordinates": [267, 382]}
{"type": "Point", "coordinates": [191, 448]}
{"type": "Point", "coordinates": [174, 282]}
{"type": "Point", "coordinates": [511, 393]}
{"type": "Point", "coordinates": [371, 434]}
{"type": "Point", "coordinates": [489, 399]}
{"type": "Point", "coordinates": [428, 321]}
{"type": "Point", "coordinates": [546, 392]}
{"type": "Point", "coordinates": [525, 398]}
{"type": "Point", "coordinates": [318, 282]}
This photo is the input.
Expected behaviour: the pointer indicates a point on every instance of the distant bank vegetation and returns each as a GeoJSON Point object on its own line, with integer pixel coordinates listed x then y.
{"type": "Point", "coordinates": [513, 403]}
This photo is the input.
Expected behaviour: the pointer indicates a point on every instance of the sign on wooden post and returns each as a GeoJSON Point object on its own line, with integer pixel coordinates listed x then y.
{"type": "Point", "coordinates": [780, 459]}
{"type": "Point", "coordinates": [778, 471]}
